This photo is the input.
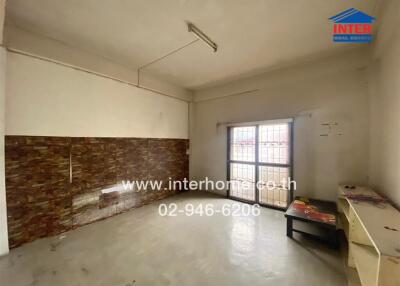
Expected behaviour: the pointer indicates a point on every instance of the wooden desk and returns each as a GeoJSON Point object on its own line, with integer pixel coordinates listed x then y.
{"type": "Point", "coordinates": [373, 233]}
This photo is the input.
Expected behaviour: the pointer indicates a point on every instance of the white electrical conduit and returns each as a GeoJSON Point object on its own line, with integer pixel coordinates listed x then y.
{"type": "Point", "coordinates": [191, 28]}
{"type": "Point", "coordinates": [162, 57]}
{"type": "Point", "coordinates": [227, 95]}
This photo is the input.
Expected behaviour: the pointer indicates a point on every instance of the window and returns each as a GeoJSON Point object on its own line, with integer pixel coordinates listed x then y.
{"type": "Point", "coordinates": [260, 153]}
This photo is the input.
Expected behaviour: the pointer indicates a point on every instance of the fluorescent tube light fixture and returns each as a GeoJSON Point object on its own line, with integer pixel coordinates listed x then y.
{"type": "Point", "coordinates": [192, 28]}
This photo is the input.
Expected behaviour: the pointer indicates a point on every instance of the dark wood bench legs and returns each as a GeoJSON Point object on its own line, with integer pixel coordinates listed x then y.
{"type": "Point", "coordinates": [332, 239]}
{"type": "Point", "coordinates": [289, 227]}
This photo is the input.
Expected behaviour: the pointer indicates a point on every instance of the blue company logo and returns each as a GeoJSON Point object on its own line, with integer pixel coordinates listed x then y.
{"type": "Point", "coordinates": [352, 25]}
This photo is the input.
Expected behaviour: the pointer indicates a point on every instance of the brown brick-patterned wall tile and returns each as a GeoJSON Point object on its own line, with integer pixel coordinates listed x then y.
{"type": "Point", "coordinates": [37, 187]}
{"type": "Point", "coordinates": [132, 159]}
{"type": "Point", "coordinates": [167, 161]}
{"type": "Point", "coordinates": [94, 168]}
{"type": "Point", "coordinates": [41, 200]}
{"type": "Point", "coordinates": [93, 164]}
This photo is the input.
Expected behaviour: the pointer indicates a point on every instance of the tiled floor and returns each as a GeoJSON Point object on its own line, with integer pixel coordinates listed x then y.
{"type": "Point", "coordinates": [141, 247]}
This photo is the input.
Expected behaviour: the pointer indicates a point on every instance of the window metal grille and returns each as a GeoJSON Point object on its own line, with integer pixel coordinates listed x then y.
{"type": "Point", "coordinates": [243, 181]}
{"type": "Point", "coordinates": [261, 153]}
{"type": "Point", "coordinates": [274, 143]}
{"type": "Point", "coordinates": [279, 195]}
{"type": "Point", "coordinates": [243, 144]}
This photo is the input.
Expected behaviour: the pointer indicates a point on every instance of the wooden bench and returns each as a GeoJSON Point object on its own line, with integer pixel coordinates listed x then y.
{"type": "Point", "coordinates": [316, 212]}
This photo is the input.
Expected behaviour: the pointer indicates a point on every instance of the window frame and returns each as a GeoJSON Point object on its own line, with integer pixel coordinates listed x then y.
{"type": "Point", "coordinates": [257, 162]}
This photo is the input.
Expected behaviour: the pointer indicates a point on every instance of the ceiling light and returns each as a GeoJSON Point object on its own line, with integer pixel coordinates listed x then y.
{"type": "Point", "coordinates": [192, 28]}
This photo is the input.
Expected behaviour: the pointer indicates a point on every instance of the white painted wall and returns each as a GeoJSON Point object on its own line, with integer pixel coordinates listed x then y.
{"type": "Point", "coordinates": [333, 89]}
{"type": "Point", "coordinates": [44, 98]}
{"type": "Point", "coordinates": [3, 209]}
{"type": "Point", "coordinates": [384, 87]}
{"type": "Point", "coordinates": [2, 14]}
{"type": "Point", "coordinates": [39, 45]}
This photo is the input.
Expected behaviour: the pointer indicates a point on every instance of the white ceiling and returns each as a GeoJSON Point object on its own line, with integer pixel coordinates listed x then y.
{"type": "Point", "coordinates": [253, 36]}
